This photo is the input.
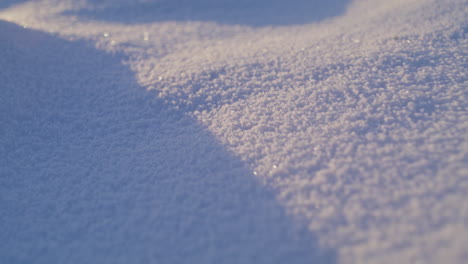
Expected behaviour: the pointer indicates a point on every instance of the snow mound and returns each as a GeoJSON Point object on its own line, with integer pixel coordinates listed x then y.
{"type": "Point", "coordinates": [233, 131]}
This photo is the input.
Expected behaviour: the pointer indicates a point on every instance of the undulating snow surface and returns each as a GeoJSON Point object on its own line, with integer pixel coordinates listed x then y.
{"type": "Point", "coordinates": [223, 131]}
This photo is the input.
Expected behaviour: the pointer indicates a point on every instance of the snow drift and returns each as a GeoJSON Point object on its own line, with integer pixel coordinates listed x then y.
{"type": "Point", "coordinates": [233, 131]}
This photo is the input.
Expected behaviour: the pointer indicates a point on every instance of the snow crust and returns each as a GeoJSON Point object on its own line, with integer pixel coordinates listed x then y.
{"type": "Point", "coordinates": [206, 131]}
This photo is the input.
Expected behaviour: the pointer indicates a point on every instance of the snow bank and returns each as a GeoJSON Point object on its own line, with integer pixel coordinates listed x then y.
{"type": "Point", "coordinates": [233, 132]}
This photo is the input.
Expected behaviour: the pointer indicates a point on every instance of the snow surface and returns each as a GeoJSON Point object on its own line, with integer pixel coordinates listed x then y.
{"type": "Point", "coordinates": [222, 131]}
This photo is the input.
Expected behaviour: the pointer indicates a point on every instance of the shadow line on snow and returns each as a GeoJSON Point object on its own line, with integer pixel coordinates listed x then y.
{"type": "Point", "coordinates": [256, 13]}
{"type": "Point", "coordinates": [96, 170]}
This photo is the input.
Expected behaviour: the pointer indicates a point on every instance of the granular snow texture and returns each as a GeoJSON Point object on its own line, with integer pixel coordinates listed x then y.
{"type": "Point", "coordinates": [221, 131]}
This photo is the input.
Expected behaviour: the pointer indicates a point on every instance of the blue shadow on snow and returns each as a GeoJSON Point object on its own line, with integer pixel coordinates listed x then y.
{"type": "Point", "coordinates": [254, 13]}
{"type": "Point", "coordinates": [9, 3]}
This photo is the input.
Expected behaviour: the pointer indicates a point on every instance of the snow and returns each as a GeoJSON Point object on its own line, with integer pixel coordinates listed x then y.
{"type": "Point", "coordinates": [205, 131]}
